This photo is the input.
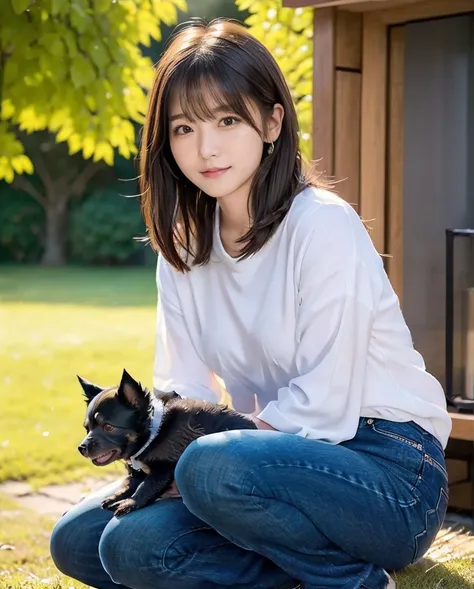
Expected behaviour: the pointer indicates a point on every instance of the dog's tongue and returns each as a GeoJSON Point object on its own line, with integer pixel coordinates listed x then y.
{"type": "Point", "coordinates": [104, 457]}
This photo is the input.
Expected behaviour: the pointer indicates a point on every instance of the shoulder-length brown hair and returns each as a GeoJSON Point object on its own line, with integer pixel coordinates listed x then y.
{"type": "Point", "coordinates": [221, 59]}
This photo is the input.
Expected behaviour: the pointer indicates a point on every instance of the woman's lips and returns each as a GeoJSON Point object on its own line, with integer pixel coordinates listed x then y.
{"type": "Point", "coordinates": [214, 172]}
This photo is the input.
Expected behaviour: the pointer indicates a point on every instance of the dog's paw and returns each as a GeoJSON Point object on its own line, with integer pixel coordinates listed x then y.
{"type": "Point", "coordinates": [123, 507]}
{"type": "Point", "coordinates": [108, 503]}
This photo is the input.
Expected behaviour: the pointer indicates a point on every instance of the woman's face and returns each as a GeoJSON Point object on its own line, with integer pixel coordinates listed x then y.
{"type": "Point", "coordinates": [221, 155]}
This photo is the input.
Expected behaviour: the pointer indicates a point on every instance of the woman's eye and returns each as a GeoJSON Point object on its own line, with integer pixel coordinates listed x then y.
{"type": "Point", "coordinates": [108, 427]}
{"type": "Point", "coordinates": [182, 130]}
{"type": "Point", "coordinates": [229, 121]}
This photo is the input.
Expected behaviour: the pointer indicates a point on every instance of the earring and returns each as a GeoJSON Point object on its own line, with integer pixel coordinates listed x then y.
{"type": "Point", "coordinates": [271, 148]}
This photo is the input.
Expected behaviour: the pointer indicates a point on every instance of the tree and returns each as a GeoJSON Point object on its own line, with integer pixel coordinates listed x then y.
{"type": "Point", "coordinates": [76, 69]}
{"type": "Point", "coordinates": [288, 34]}
{"type": "Point", "coordinates": [59, 178]}
{"type": "Point", "coordinates": [72, 72]}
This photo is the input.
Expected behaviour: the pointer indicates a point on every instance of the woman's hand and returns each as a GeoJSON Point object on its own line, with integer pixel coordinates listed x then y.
{"type": "Point", "coordinates": [260, 424]}
{"type": "Point", "coordinates": [172, 492]}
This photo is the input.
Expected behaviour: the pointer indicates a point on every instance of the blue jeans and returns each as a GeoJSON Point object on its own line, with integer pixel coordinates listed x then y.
{"type": "Point", "coordinates": [261, 509]}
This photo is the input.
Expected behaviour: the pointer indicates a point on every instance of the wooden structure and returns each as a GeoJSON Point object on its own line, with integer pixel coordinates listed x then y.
{"type": "Point", "coordinates": [359, 119]}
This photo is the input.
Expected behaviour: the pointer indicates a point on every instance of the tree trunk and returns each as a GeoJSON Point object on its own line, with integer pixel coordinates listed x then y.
{"type": "Point", "coordinates": [56, 232]}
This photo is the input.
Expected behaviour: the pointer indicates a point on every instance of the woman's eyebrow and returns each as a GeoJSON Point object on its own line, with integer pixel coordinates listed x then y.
{"type": "Point", "coordinates": [215, 111]}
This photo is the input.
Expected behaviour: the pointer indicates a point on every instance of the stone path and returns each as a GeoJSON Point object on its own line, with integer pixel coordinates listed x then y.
{"type": "Point", "coordinates": [456, 539]}
{"type": "Point", "coordinates": [51, 500]}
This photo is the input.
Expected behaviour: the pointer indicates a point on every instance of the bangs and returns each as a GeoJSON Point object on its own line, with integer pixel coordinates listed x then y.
{"type": "Point", "coordinates": [204, 87]}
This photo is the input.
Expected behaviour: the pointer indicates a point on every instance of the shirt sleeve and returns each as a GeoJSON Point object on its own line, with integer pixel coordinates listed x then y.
{"type": "Point", "coordinates": [178, 365]}
{"type": "Point", "coordinates": [337, 297]}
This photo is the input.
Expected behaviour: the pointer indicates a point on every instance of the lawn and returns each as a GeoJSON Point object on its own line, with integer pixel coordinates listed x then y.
{"type": "Point", "coordinates": [54, 324]}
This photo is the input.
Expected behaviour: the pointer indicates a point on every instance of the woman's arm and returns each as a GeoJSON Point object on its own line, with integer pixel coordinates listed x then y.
{"type": "Point", "coordinates": [178, 364]}
{"type": "Point", "coordinates": [339, 287]}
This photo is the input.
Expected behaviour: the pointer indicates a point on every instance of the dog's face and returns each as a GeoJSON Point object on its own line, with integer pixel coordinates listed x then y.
{"type": "Point", "coordinates": [116, 421]}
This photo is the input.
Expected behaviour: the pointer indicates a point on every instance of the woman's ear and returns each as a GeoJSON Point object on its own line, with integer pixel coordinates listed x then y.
{"type": "Point", "coordinates": [274, 123]}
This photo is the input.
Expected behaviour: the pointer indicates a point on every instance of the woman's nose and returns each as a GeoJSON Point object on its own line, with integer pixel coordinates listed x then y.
{"type": "Point", "coordinates": [208, 144]}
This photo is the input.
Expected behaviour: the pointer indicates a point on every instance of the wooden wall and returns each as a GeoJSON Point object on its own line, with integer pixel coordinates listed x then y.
{"type": "Point", "coordinates": [349, 110]}
{"type": "Point", "coordinates": [337, 98]}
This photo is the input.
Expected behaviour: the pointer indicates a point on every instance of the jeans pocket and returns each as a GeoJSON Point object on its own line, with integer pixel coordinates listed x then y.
{"type": "Point", "coordinates": [402, 446]}
{"type": "Point", "coordinates": [433, 521]}
{"type": "Point", "coordinates": [397, 431]}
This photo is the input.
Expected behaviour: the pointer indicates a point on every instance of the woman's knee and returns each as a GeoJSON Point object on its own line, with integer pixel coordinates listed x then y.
{"type": "Point", "coordinates": [131, 554]}
{"type": "Point", "coordinates": [59, 542]}
{"type": "Point", "coordinates": [74, 541]}
{"type": "Point", "coordinates": [211, 473]}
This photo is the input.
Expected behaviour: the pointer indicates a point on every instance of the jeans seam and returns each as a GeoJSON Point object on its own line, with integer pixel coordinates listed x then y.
{"type": "Point", "coordinates": [327, 471]}
{"type": "Point", "coordinates": [174, 540]}
{"type": "Point", "coordinates": [417, 445]}
{"type": "Point", "coordinates": [436, 464]}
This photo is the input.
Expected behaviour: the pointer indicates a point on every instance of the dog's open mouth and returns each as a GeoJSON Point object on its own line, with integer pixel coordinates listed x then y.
{"type": "Point", "coordinates": [106, 458]}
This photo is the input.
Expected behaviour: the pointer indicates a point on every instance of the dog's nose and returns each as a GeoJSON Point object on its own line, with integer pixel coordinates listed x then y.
{"type": "Point", "coordinates": [82, 449]}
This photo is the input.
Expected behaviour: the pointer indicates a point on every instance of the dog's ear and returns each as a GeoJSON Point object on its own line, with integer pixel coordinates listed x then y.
{"type": "Point", "coordinates": [90, 390]}
{"type": "Point", "coordinates": [165, 397]}
{"type": "Point", "coordinates": [132, 392]}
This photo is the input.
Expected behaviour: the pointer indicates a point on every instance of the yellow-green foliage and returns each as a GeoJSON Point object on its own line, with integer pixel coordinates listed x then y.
{"type": "Point", "coordinates": [76, 69]}
{"type": "Point", "coordinates": [288, 34]}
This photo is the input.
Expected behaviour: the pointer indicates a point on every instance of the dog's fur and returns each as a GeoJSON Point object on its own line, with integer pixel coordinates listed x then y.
{"type": "Point", "coordinates": [118, 425]}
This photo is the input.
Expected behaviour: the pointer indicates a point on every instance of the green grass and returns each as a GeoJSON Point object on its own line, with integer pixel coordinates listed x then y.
{"type": "Point", "coordinates": [54, 324]}
{"type": "Point", "coordinates": [29, 565]}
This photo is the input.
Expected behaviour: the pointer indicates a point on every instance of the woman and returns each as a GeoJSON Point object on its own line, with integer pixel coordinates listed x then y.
{"type": "Point", "coordinates": [271, 285]}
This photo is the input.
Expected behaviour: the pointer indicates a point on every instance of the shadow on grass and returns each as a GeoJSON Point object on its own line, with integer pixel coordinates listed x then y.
{"type": "Point", "coordinates": [456, 574]}
{"type": "Point", "coordinates": [74, 285]}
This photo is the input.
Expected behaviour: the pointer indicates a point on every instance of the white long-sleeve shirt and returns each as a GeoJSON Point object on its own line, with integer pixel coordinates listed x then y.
{"type": "Point", "coordinates": [308, 330]}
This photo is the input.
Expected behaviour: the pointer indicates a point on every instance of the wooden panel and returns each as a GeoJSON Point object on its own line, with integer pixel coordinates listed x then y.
{"type": "Point", "coordinates": [373, 133]}
{"type": "Point", "coordinates": [323, 88]}
{"type": "Point", "coordinates": [424, 10]}
{"type": "Point", "coordinates": [347, 137]}
{"type": "Point", "coordinates": [395, 159]}
{"type": "Point", "coordinates": [463, 426]}
{"type": "Point", "coordinates": [397, 11]}
{"type": "Point", "coordinates": [348, 40]}
{"type": "Point", "coordinates": [325, 3]}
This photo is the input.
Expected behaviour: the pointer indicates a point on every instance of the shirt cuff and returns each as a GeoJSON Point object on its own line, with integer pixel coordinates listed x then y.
{"type": "Point", "coordinates": [273, 416]}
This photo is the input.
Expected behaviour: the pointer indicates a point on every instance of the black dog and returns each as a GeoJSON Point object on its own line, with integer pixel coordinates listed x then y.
{"type": "Point", "coordinates": [149, 432]}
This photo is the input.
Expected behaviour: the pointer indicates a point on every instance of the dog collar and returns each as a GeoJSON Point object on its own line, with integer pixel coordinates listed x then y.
{"type": "Point", "coordinates": [158, 410]}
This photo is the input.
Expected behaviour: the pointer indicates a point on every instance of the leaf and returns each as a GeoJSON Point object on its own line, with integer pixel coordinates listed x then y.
{"type": "Point", "coordinates": [74, 143]}
{"type": "Point", "coordinates": [70, 41]}
{"type": "Point", "coordinates": [88, 147]}
{"type": "Point", "coordinates": [102, 6]}
{"type": "Point", "coordinates": [181, 5]}
{"type": "Point", "coordinates": [53, 43]}
{"type": "Point", "coordinates": [7, 109]}
{"type": "Point", "coordinates": [104, 151]}
{"type": "Point", "coordinates": [98, 53]}
{"type": "Point", "coordinates": [22, 163]}
{"type": "Point", "coordinates": [56, 6]}
{"type": "Point", "coordinates": [64, 134]}
{"type": "Point", "coordinates": [82, 72]}
{"type": "Point", "coordinates": [168, 13]}
{"type": "Point", "coordinates": [19, 6]}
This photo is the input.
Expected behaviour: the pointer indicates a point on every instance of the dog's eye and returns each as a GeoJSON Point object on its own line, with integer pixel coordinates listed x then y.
{"type": "Point", "coordinates": [108, 428]}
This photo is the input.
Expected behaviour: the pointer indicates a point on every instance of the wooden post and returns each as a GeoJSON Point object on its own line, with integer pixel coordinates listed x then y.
{"type": "Point", "coordinates": [396, 150]}
{"type": "Point", "coordinates": [323, 89]}
{"type": "Point", "coordinates": [373, 133]}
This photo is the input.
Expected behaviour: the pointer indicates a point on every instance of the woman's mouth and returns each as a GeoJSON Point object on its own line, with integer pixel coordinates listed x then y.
{"type": "Point", "coordinates": [214, 172]}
